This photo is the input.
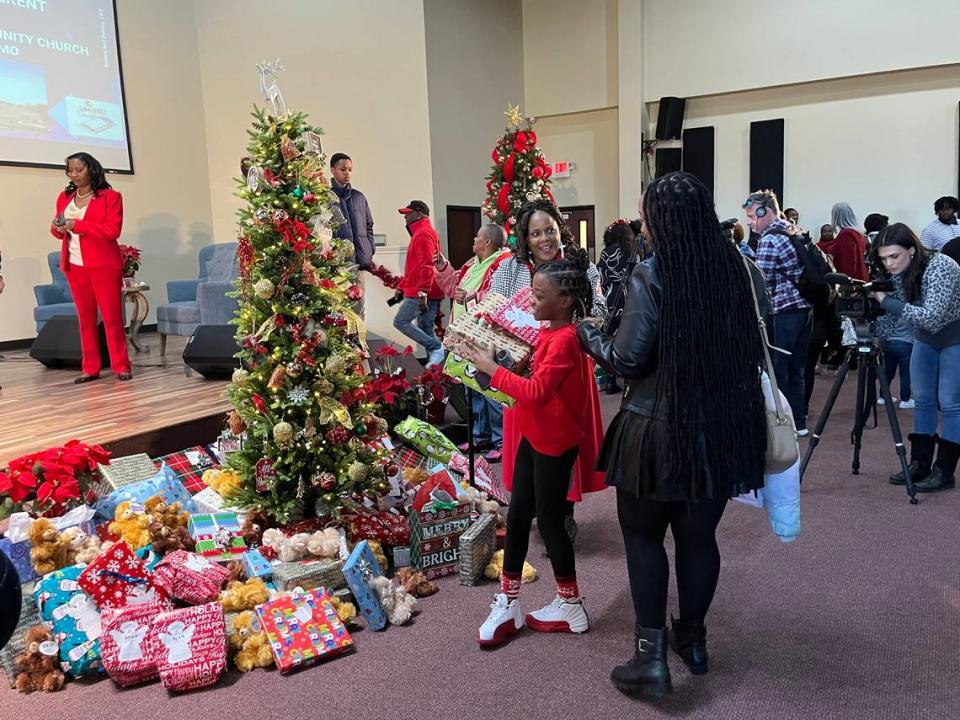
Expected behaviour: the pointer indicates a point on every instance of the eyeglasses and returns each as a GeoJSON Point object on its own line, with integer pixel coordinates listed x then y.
{"type": "Point", "coordinates": [550, 232]}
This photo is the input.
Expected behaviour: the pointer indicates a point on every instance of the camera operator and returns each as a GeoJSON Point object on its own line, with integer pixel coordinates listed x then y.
{"type": "Point", "coordinates": [927, 296]}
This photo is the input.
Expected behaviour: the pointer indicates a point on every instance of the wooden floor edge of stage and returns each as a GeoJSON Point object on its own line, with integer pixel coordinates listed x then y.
{"type": "Point", "coordinates": [162, 410]}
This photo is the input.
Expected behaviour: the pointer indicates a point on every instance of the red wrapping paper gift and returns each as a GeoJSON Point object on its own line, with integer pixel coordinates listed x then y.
{"type": "Point", "coordinates": [384, 527]}
{"type": "Point", "coordinates": [189, 577]}
{"type": "Point", "coordinates": [517, 319]}
{"type": "Point", "coordinates": [123, 650]}
{"type": "Point", "coordinates": [189, 646]}
{"type": "Point", "coordinates": [118, 578]}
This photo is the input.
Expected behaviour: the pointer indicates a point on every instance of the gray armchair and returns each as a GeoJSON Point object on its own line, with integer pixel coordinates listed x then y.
{"type": "Point", "coordinates": [55, 298]}
{"type": "Point", "coordinates": [202, 301]}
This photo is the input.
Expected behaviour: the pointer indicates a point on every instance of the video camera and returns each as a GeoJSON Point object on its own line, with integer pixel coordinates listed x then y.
{"type": "Point", "coordinates": [853, 296]}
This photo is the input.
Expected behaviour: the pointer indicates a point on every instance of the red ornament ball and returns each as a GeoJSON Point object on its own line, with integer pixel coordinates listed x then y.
{"type": "Point", "coordinates": [537, 172]}
{"type": "Point", "coordinates": [338, 435]}
{"type": "Point", "coordinates": [309, 198]}
{"type": "Point", "coordinates": [355, 292]}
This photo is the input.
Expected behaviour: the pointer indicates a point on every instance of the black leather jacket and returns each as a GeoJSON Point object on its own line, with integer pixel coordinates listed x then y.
{"type": "Point", "coordinates": [632, 353]}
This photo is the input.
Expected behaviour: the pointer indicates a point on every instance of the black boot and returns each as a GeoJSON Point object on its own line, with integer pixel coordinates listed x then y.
{"type": "Point", "coordinates": [941, 477]}
{"type": "Point", "coordinates": [647, 672]}
{"type": "Point", "coordinates": [921, 458]}
{"type": "Point", "coordinates": [689, 641]}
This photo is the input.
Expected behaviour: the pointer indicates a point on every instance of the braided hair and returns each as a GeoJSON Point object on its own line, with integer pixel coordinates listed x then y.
{"type": "Point", "coordinates": [709, 349]}
{"type": "Point", "coordinates": [522, 251]}
{"type": "Point", "coordinates": [569, 275]}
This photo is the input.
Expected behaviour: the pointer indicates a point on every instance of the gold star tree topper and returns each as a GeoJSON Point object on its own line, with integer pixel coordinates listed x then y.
{"type": "Point", "coordinates": [514, 116]}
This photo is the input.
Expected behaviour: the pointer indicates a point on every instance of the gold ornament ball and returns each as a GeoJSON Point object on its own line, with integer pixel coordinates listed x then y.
{"type": "Point", "coordinates": [283, 432]}
{"type": "Point", "coordinates": [357, 472]}
{"type": "Point", "coordinates": [263, 288]}
{"type": "Point", "coordinates": [240, 376]}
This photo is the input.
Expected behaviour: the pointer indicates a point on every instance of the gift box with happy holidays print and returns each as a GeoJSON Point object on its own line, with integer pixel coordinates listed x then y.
{"type": "Point", "coordinates": [217, 535]}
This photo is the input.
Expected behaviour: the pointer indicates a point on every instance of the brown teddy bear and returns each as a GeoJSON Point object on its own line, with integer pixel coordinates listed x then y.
{"type": "Point", "coordinates": [171, 515]}
{"type": "Point", "coordinates": [165, 540]}
{"type": "Point", "coordinates": [247, 595]}
{"type": "Point", "coordinates": [237, 572]}
{"type": "Point", "coordinates": [253, 527]}
{"type": "Point", "coordinates": [81, 548]}
{"type": "Point", "coordinates": [130, 526]}
{"type": "Point", "coordinates": [48, 549]}
{"type": "Point", "coordinates": [250, 643]}
{"type": "Point", "coordinates": [38, 666]}
{"type": "Point", "coordinates": [416, 583]}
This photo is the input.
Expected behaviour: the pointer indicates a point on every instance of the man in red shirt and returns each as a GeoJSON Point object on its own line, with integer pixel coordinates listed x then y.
{"type": "Point", "coordinates": [421, 295]}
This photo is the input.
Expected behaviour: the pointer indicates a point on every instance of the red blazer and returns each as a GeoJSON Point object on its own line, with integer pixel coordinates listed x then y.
{"type": "Point", "coordinates": [98, 230]}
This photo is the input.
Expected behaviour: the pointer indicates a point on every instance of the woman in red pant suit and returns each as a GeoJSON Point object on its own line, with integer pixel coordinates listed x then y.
{"type": "Point", "coordinates": [89, 220]}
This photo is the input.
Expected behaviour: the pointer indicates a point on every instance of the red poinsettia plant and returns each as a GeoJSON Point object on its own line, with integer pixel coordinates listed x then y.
{"type": "Point", "coordinates": [401, 396]}
{"type": "Point", "coordinates": [50, 482]}
{"type": "Point", "coordinates": [131, 260]}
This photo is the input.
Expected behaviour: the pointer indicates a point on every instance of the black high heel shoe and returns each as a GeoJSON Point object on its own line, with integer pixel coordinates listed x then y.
{"type": "Point", "coordinates": [124, 376]}
{"type": "Point", "coordinates": [85, 379]}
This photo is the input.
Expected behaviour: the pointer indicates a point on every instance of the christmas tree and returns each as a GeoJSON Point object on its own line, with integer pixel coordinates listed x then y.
{"type": "Point", "coordinates": [301, 397]}
{"type": "Point", "coordinates": [519, 173]}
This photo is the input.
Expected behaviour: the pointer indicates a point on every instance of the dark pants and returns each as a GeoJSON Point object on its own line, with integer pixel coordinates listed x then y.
{"type": "Point", "coordinates": [814, 347]}
{"type": "Point", "coordinates": [540, 487]}
{"type": "Point", "coordinates": [10, 599]}
{"type": "Point", "coordinates": [896, 356]}
{"type": "Point", "coordinates": [697, 559]}
{"type": "Point", "coordinates": [792, 333]}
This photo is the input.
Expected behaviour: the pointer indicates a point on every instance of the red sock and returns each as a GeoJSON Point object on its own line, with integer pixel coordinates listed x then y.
{"type": "Point", "coordinates": [567, 587]}
{"type": "Point", "coordinates": [510, 584]}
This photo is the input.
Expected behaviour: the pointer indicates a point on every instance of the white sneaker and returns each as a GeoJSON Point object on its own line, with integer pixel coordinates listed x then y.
{"type": "Point", "coordinates": [561, 615]}
{"type": "Point", "coordinates": [907, 405]}
{"type": "Point", "coordinates": [803, 432]}
{"type": "Point", "coordinates": [881, 401]}
{"type": "Point", "coordinates": [505, 619]}
{"type": "Point", "coordinates": [435, 357]}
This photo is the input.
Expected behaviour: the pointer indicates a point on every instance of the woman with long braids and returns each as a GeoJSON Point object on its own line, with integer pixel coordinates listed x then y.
{"type": "Point", "coordinates": [691, 430]}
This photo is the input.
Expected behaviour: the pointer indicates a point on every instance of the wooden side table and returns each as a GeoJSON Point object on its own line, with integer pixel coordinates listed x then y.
{"type": "Point", "coordinates": [134, 294]}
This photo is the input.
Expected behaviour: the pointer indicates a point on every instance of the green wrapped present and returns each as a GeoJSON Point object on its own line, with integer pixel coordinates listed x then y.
{"type": "Point", "coordinates": [426, 438]}
{"type": "Point", "coordinates": [463, 371]}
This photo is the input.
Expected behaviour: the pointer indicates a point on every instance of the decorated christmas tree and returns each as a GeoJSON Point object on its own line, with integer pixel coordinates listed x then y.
{"type": "Point", "coordinates": [519, 174]}
{"type": "Point", "coordinates": [301, 397]}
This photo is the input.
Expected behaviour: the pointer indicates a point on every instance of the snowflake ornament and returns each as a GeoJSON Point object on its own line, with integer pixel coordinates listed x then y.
{"type": "Point", "coordinates": [298, 395]}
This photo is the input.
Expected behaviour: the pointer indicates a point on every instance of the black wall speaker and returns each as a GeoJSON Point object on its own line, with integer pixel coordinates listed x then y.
{"type": "Point", "coordinates": [58, 343]}
{"type": "Point", "coordinates": [210, 351]}
{"type": "Point", "coordinates": [668, 160]}
{"type": "Point", "coordinates": [698, 146]}
{"type": "Point", "coordinates": [670, 118]}
{"type": "Point", "coordinates": [766, 157]}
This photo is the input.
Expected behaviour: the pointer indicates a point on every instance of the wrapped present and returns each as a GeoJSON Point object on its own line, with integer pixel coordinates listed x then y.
{"type": "Point", "coordinates": [190, 577]}
{"type": "Point", "coordinates": [477, 546]}
{"type": "Point", "coordinates": [74, 616]}
{"type": "Point", "coordinates": [516, 317]}
{"type": "Point", "coordinates": [484, 478]}
{"type": "Point", "coordinates": [386, 527]}
{"type": "Point", "coordinates": [29, 616]}
{"type": "Point", "coordinates": [19, 554]}
{"type": "Point", "coordinates": [256, 565]}
{"type": "Point", "coordinates": [209, 500]}
{"type": "Point", "coordinates": [465, 372]}
{"type": "Point", "coordinates": [149, 557]}
{"type": "Point", "coordinates": [118, 577]}
{"type": "Point", "coordinates": [123, 650]}
{"type": "Point", "coordinates": [401, 557]}
{"type": "Point", "coordinates": [217, 535]}
{"type": "Point", "coordinates": [309, 574]}
{"type": "Point", "coordinates": [359, 568]}
{"type": "Point", "coordinates": [189, 646]}
{"type": "Point", "coordinates": [426, 438]}
{"type": "Point", "coordinates": [124, 471]}
{"type": "Point", "coordinates": [435, 538]}
{"type": "Point", "coordinates": [164, 482]}
{"type": "Point", "coordinates": [16, 544]}
{"type": "Point", "coordinates": [474, 328]}
{"type": "Point", "coordinates": [303, 628]}
{"type": "Point", "coordinates": [407, 458]}
{"type": "Point", "coordinates": [188, 465]}
{"type": "Point", "coordinates": [439, 481]}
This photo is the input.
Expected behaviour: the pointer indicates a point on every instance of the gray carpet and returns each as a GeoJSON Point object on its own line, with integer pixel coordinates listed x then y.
{"type": "Point", "coordinates": [860, 618]}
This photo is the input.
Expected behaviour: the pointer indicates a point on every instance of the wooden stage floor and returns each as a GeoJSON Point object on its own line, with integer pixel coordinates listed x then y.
{"type": "Point", "coordinates": [40, 408]}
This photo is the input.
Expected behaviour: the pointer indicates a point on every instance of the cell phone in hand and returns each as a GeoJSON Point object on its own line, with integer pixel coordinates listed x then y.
{"type": "Point", "coordinates": [61, 220]}
{"type": "Point", "coordinates": [505, 360]}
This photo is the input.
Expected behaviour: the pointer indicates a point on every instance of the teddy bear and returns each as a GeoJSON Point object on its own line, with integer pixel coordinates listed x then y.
{"type": "Point", "coordinates": [81, 548]}
{"type": "Point", "coordinates": [48, 549]}
{"type": "Point", "coordinates": [346, 611]}
{"type": "Point", "coordinates": [165, 540]}
{"type": "Point", "coordinates": [247, 595]}
{"type": "Point", "coordinates": [288, 549]}
{"type": "Point", "coordinates": [250, 643]}
{"type": "Point", "coordinates": [39, 665]}
{"type": "Point", "coordinates": [416, 583]}
{"type": "Point", "coordinates": [225, 481]}
{"type": "Point", "coordinates": [130, 526]}
{"type": "Point", "coordinates": [324, 543]}
{"type": "Point", "coordinates": [237, 571]}
{"type": "Point", "coordinates": [494, 568]}
{"type": "Point", "coordinates": [171, 515]}
{"type": "Point", "coordinates": [254, 525]}
{"type": "Point", "coordinates": [398, 605]}
{"type": "Point", "coordinates": [377, 549]}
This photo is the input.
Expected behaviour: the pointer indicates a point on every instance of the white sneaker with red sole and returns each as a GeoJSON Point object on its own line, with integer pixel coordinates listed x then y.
{"type": "Point", "coordinates": [505, 619]}
{"type": "Point", "coordinates": [566, 616]}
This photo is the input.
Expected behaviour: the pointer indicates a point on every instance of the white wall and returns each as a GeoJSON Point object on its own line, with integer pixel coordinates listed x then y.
{"type": "Point", "coordinates": [702, 47]}
{"type": "Point", "coordinates": [569, 55]}
{"type": "Point", "coordinates": [167, 203]}
{"type": "Point", "coordinates": [884, 144]}
{"type": "Point", "coordinates": [474, 69]}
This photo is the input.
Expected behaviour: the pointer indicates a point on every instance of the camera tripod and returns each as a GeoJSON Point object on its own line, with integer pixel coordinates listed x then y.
{"type": "Point", "coordinates": [871, 359]}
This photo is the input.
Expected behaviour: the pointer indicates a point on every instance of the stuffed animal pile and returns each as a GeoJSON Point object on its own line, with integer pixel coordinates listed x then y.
{"type": "Point", "coordinates": [48, 548]}
{"type": "Point", "coordinates": [321, 544]}
{"type": "Point", "coordinates": [39, 665]}
{"type": "Point", "coordinates": [81, 548]}
{"type": "Point", "coordinates": [131, 526]}
{"type": "Point", "coordinates": [241, 596]}
{"type": "Point", "coordinates": [249, 642]}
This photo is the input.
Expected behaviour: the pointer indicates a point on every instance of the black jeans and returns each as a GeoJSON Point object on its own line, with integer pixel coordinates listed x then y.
{"type": "Point", "coordinates": [540, 487]}
{"type": "Point", "coordinates": [697, 561]}
{"type": "Point", "coordinates": [10, 599]}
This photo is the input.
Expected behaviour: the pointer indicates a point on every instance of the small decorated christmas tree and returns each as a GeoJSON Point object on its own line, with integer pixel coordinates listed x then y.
{"type": "Point", "coordinates": [301, 397]}
{"type": "Point", "coordinates": [519, 174]}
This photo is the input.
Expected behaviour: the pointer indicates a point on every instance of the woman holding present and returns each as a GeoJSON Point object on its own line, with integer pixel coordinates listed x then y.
{"type": "Point", "coordinates": [88, 222]}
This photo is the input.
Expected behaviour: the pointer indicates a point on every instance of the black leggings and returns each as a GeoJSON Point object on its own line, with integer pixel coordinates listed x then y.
{"type": "Point", "coordinates": [540, 486]}
{"type": "Point", "coordinates": [697, 562]}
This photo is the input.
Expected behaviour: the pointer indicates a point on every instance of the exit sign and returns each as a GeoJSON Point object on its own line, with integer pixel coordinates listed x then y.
{"type": "Point", "coordinates": [562, 169]}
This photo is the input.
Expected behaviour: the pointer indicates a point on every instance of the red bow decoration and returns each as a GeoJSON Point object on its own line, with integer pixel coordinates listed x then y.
{"type": "Point", "coordinates": [508, 173]}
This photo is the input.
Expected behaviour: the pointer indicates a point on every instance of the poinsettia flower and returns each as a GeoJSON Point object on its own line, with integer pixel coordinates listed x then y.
{"type": "Point", "coordinates": [58, 491]}
{"type": "Point", "coordinates": [17, 484]}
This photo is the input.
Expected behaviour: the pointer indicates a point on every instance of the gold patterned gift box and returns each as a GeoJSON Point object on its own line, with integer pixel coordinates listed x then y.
{"type": "Point", "coordinates": [309, 574]}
